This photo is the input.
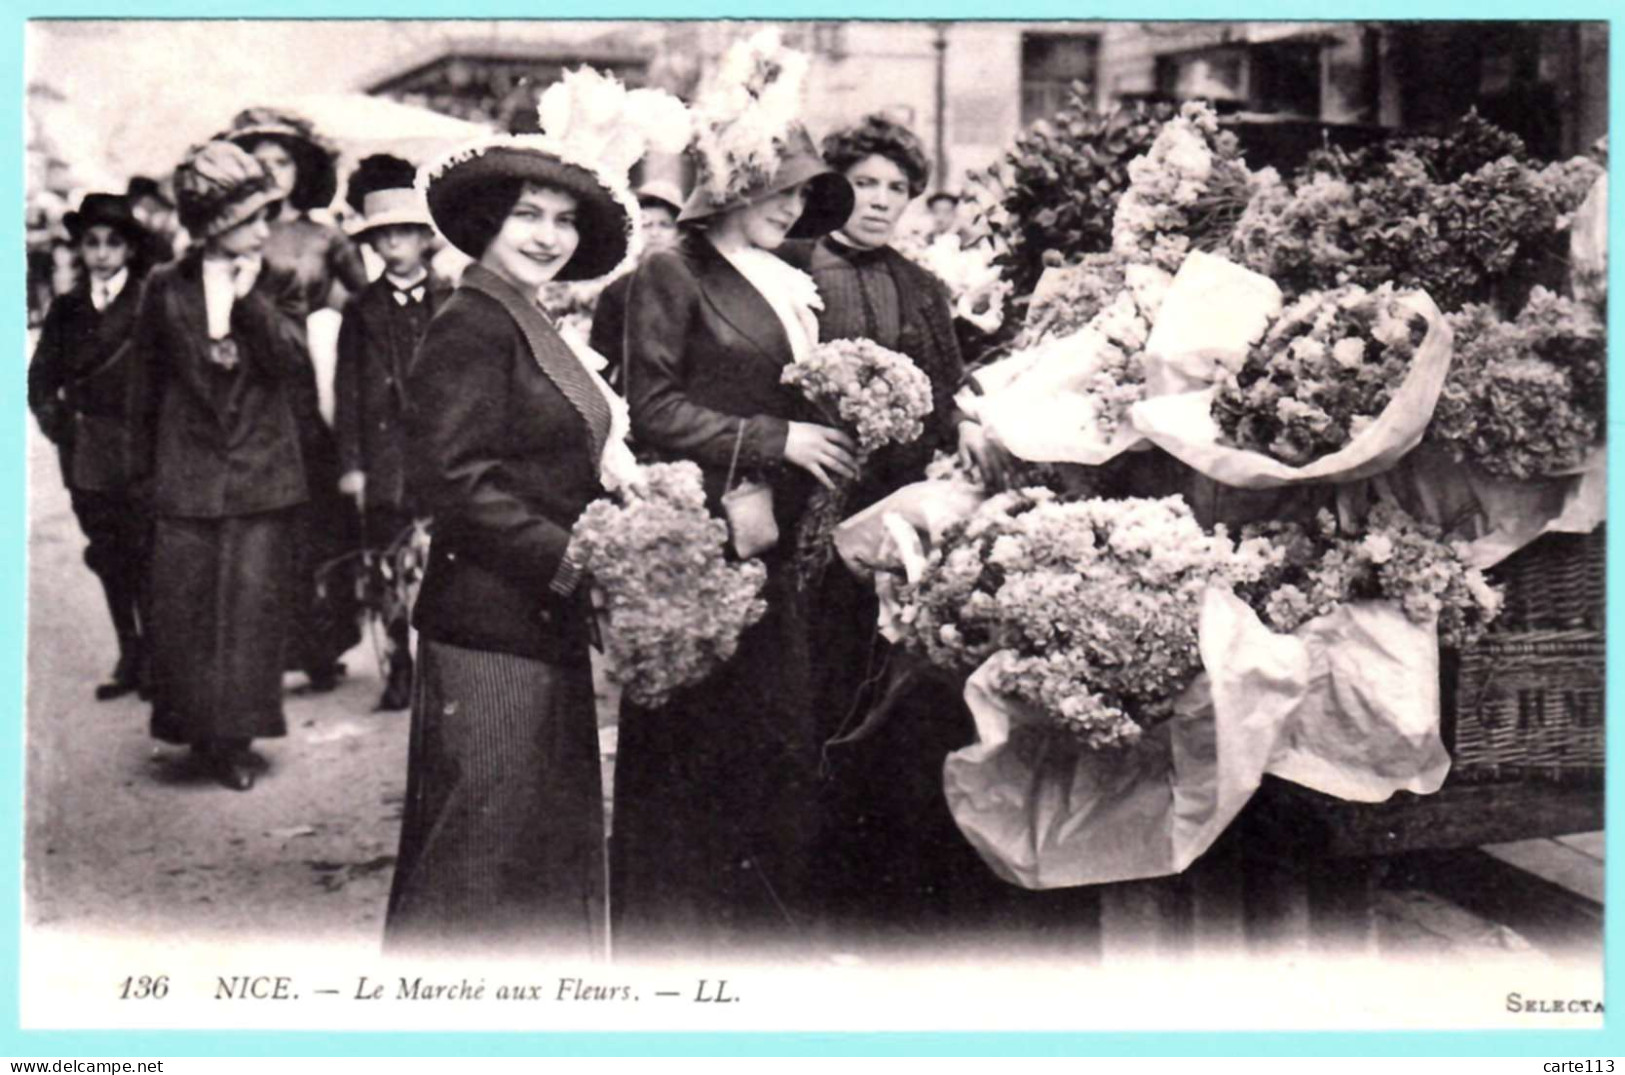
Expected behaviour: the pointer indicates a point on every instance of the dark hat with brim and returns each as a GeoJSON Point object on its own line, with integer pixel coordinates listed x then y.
{"type": "Point", "coordinates": [829, 195]}
{"type": "Point", "coordinates": [142, 186]}
{"type": "Point", "coordinates": [316, 160]}
{"type": "Point", "coordinates": [606, 214]}
{"type": "Point", "coordinates": [105, 210]}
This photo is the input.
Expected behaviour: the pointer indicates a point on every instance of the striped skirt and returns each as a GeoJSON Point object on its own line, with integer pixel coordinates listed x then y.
{"type": "Point", "coordinates": [502, 842]}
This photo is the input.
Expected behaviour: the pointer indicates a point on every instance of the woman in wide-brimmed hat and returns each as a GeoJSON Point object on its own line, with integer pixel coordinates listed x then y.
{"type": "Point", "coordinates": [217, 356]}
{"type": "Point", "coordinates": [509, 429]}
{"type": "Point", "coordinates": [715, 791]}
{"type": "Point", "coordinates": [328, 267]}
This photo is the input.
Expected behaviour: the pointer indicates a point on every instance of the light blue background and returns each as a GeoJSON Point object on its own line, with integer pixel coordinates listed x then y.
{"type": "Point", "coordinates": [13, 526]}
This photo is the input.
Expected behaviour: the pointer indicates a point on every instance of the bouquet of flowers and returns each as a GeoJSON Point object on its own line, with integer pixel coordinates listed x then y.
{"type": "Point", "coordinates": [1186, 193]}
{"type": "Point", "coordinates": [880, 397]}
{"type": "Point", "coordinates": [1466, 217]}
{"type": "Point", "coordinates": [1310, 571]}
{"type": "Point", "coordinates": [975, 287]}
{"type": "Point", "coordinates": [676, 605]}
{"type": "Point", "coordinates": [1323, 373]}
{"type": "Point", "coordinates": [1524, 398]}
{"type": "Point", "coordinates": [1087, 609]}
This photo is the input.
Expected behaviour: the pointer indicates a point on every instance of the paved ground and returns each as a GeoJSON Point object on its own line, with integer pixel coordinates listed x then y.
{"type": "Point", "coordinates": [123, 835]}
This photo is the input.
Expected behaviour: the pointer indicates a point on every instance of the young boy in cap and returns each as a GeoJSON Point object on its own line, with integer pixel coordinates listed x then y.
{"type": "Point", "coordinates": [77, 389]}
{"type": "Point", "coordinates": [381, 329]}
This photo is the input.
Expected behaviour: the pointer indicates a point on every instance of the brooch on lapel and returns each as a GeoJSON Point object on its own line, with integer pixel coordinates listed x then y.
{"type": "Point", "coordinates": [223, 353]}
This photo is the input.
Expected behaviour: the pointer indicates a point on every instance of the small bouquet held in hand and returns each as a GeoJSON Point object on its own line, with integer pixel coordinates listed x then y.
{"type": "Point", "coordinates": [880, 397]}
{"type": "Point", "coordinates": [676, 606]}
{"type": "Point", "coordinates": [1323, 373]}
{"type": "Point", "coordinates": [1087, 610]}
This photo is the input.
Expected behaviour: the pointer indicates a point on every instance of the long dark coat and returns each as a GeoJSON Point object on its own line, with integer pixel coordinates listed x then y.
{"type": "Point", "coordinates": [502, 841]}
{"type": "Point", "coordinates": [894, 869]}
{"type": "Point", "coordinates": [714, 792]}
{"type": "Point", "coordinates": [375, 348]}
{"type": "Point", "coordinates": [219, 450]}
{"type": "Point", "coordinates": [78, 385]}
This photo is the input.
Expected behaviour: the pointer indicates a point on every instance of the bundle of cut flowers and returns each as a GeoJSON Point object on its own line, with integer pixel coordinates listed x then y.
{"type": "Point", "coordinates": [1322, 374]}
{"type": "Point", "coordinates": [1086, 609]}
{"type": "Point", "coordinates": [976, 290]}
{"type": "Point", "coordinates": [676, 605]}
{"type": "Point", "coordinates": [1524, 398]}
{"type": "Point", "coordinates": [1313, 569]}
{"type": "Point", "coordinates": [1465, 217]}
{"type": "Point", "coordinates": [880, 397]}
{"type": "Point", "coordinates": [1186, 193]}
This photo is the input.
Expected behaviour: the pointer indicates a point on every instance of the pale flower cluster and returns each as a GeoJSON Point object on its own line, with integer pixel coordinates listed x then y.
{"type": "Point", "coordinates": [881, 396]}
{"type": "Point", "coordinates": [975, 286]}
{"type": "Point", "coordinates": [676, 605]}
{"type": "Point", "coordinates": [1189, 188]}
{"type": "Point", "coordinates": [1088, 609]}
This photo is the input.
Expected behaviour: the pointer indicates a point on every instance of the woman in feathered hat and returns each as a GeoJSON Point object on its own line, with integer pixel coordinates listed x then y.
{"type": "Point", "coordinates": [508, 432]}
{"type": "Point", "coordinates": [715, 792]}
{"type": "Point", "coordinates": [303, 167]}
{"type": "Point", "coordinates": [217, 357]}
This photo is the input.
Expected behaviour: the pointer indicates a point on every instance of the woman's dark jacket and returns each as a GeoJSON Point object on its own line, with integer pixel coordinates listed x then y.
{"type": "Point", "coordinates": [206, 441]}
{"type": "Point", "coordinates": [691, 321]}
{"type": "Point", "coordinates": [505, 431]}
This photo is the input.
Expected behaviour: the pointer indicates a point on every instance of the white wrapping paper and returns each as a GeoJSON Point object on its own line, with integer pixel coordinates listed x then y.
{"type": "Point", "coordinates": [1058, 818]}
{"type": "Point", "coordinates": [1214, 311]}
{"type": "Point", "coordinates": [1497, 516]}
{"type": "Point", "coordinates": [1183, 425]}
{"type": "Point", "coordinates": [1347, 705]}
{"type": "Point", "coordinates": [322, 337]}
{"type": "Point", "coordinates": [1588, 245]}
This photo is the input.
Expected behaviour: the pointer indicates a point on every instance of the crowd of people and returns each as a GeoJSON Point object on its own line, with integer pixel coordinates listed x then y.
{"type": "Point", "coordinates": [175, 378]}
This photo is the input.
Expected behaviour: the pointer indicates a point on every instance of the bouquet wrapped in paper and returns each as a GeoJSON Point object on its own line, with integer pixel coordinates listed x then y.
{"type": "Point", "coordinates": [1342, 386]}
{"type": "Point", "coordinates": [976, 290]}
{"type": "Point", "coordinates": [676, 606]}
{"type": "Point", "coordinates": [880, 396]}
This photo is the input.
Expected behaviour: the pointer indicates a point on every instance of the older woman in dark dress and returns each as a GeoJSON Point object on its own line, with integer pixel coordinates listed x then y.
{"type": "Point", "coordinates": [715, 808]}
{"type": "Point", "coordinates": [502, 844]}
{"type": "Point", "coordinates": [893, 866]}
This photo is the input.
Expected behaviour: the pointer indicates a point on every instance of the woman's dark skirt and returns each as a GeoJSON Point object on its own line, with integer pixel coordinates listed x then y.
{"type": "Point", "coordinates": [715, 803]}
{"type": "Point", "coordinates": [221, 593]}
{"type": "Point", "coordinates": [502, 843]}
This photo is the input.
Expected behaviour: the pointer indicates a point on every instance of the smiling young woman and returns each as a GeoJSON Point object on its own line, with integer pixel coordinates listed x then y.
{"type": "Point", "coordinates": [502, 842]}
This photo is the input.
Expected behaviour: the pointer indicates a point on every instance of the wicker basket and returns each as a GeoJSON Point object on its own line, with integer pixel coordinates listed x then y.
{"type": "Point", "coordinates": [1527, 700]}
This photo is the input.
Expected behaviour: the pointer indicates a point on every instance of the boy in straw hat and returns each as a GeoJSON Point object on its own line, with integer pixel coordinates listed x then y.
{"type": "Point", "coordinates": [381, 329]}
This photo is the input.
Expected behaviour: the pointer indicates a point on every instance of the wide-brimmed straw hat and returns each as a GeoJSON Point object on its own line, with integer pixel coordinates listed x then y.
{"type": "Point", "coordinates": [218, 186]}
{"type": "Point", "coordinates": [315, 158]}
{"type": "Point", "coordinates": [392, 206]}
{"type": "Point", "coordinates": [829, 195]}
{"type": "Point", "coordinates": [606, 214]}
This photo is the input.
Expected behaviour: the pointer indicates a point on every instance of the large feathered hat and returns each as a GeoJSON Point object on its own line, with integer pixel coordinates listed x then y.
{"type": "Point", "coordinates": [593, 130]}
{"type": "Point", "coordinates": [315, 158]}
{"type": "Point", "coordinates": [750, 141]}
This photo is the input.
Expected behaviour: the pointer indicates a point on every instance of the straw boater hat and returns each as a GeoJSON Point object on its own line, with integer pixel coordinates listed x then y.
{"type": "Point", "coordinates": [318, 172]}
{"type": "Point", "coordinates": [109, 210]}
{"type": "Point", "coordinates": [751, 144]}
{"type": "Point", "coordinates": [218, 186]}
{"type": "Point", "coordinates": [595, 131]}
{"type": "Point", "coordinates": [391, 206]}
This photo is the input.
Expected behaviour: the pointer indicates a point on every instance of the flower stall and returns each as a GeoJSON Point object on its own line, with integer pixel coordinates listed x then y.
{"type": "Point", "coordinates": [1302, 565]}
